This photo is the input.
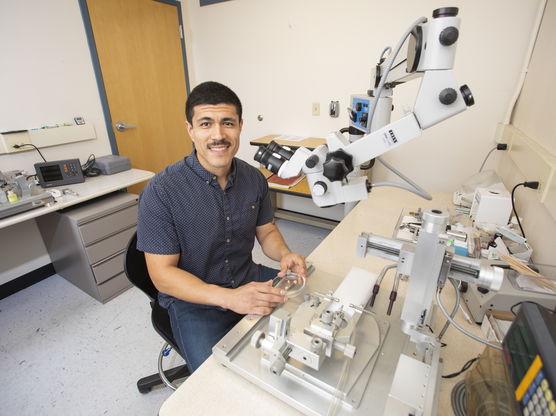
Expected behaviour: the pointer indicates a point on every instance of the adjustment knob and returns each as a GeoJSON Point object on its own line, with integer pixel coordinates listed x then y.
{"type": "Point", "coordinates": [448, 36]}
{"type": "Point", "coordinates": [337, 165]}
{"type": "Point", "coordinates": [448, 96]}
{"type": "Point", "coordinates": [312, 161]}
{"type": "Point", "coordinates": [319, 188]}
{"type": "Point", "coordinates": [467, 95]}
{"type": "Point", "coordinates": [256, 339]}
{"type": "Point", "coordinates": [445, 12]}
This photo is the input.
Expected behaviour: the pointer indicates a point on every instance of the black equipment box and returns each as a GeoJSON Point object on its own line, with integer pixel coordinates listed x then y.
{"type": "Point", "coordinates": [530, 355]}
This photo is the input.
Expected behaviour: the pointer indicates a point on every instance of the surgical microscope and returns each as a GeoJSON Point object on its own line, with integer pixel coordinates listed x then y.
{"type": "Point", "coordinates": [331, 347]}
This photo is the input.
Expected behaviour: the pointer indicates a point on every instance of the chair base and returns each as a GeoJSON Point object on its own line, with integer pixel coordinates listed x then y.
{"type": "Point", "coordinates": [146, 384]}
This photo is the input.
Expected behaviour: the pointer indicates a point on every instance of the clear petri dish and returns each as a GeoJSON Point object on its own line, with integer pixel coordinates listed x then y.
{"type": "Point", "coordinates": [292, 283]}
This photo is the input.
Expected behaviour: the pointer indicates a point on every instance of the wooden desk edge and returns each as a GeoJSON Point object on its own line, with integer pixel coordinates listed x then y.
{"type": "Point", "coordinates": [309, 142]}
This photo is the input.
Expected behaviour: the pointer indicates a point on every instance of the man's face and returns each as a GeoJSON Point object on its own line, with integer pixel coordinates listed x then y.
{"type": "Point", "coordinates": [215, 130]}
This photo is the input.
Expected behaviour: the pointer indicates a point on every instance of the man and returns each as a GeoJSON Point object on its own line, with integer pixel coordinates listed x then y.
{"type": "Point", "coordinates": [197, 223]}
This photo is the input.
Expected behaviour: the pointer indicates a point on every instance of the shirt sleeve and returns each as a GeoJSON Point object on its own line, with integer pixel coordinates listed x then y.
{"type": "Point", "coordinates": [156, 230]}
{"type": "Point", "coordinates": [266, 213]}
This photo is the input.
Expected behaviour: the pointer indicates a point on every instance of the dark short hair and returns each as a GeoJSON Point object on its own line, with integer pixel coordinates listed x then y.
{"type": "Point", "coordinates": [211, 93]}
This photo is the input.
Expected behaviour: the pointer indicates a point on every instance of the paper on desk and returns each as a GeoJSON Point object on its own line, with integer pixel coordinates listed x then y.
{"type": "Point", "coordinates": [290, 138]}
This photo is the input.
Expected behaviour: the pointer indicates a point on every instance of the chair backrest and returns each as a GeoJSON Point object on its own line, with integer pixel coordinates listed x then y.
{"type": "Point", "coordinates": [136, 271]}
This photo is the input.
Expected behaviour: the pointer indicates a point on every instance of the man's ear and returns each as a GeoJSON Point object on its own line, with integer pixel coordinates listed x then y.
{"type": "Point", "coordinates": [189, 128]}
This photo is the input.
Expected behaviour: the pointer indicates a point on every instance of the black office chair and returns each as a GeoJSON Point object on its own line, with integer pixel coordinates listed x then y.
{"type": "Point", "coordinates": [136, 270]}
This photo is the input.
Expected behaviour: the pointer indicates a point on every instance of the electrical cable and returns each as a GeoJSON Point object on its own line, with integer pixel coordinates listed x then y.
{"type": "Point", "coordinates": [17, 146]}
{"type": "Point", "coordinates": [389, 64]}
{"type": "Point", "coordinates": [463, 369]}
{"type": "Point", "coordinates": [500, 146]}
{"type": "Point", "coordinates": [484, 161]}
{"type": "Point", "coordinates": [393, 293]}
{"type": "Point", "coordinates": [391, 57]}
{"type": "Point", "coordinates": [454, 311]}
{"type": "Point", "coordinates": [379, 279]}
{"type": "Point", "coordinates": [532, 185]}
{"type": "Point", "coordinates": [89, 168]}
{"type": "Point", "coordinates": [457, 326]}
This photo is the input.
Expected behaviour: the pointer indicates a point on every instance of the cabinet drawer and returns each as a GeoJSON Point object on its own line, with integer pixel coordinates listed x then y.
{"type": "Point", "coordinates": [102, 227]}
{"type": "Point", "coordinates": [113, 287]}
{"type": "Point", "coordinates": [109, 268]}
{"type": "Point", "coordinates": [105, 248]}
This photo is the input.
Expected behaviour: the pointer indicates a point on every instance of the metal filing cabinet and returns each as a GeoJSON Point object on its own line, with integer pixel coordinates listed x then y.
{"type": "Point", "coordinates": [87, 243]}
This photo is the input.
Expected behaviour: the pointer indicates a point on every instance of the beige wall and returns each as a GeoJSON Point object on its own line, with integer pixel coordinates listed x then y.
{"type": "Point", "coordinates": [280, 56]}
{"type": "Point", "coordinates": [534, 115]}
{"type": "Point", "coordinates": [46, 77]}
{"type": "Point", "coordinates": [535, 110]}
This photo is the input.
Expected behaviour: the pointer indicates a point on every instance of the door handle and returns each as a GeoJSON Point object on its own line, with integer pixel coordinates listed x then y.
{"type": "Point", "coordinates": [121, 126]}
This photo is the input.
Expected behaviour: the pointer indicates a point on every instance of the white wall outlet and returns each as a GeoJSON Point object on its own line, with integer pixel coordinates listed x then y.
{"type": "Point", "coordinates": [315, 108]}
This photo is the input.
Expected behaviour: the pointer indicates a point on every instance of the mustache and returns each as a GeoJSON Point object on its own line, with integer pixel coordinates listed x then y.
{"type": "Point", "coordinates": [222, 142]}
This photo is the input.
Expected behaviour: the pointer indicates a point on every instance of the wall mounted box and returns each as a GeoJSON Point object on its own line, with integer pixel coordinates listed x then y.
{"type": "Point", "coordinates": [45, 137]}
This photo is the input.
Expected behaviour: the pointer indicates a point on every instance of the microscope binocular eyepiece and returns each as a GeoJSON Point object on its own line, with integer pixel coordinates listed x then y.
{"type": "Point", "coordinates": [272, 156]}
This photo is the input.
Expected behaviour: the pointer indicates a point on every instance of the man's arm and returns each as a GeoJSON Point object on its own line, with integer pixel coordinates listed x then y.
{"type": "Point", "coordinates": [273, 245]}
{"type": "Point", "coordinates": [253, 298]}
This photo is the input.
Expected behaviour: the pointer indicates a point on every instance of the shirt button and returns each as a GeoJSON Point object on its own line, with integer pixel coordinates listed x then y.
{"type": "Point", "coordinates": [233, 282]}
{"type": "Point", "coordinates": [253, 206]}
{"type": "Point", "coordinates": [226, 261]}
{"type": "Point", "coordinates": [214, 177]}
{"type": "Point", "coordinates": [227, 218]}
{"type": "Point", "coordinates": [227, 240]}
{"type": "Point", "coordinates": [207, 182]}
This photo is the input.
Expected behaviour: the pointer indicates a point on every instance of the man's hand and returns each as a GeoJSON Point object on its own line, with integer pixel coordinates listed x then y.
{"type": "Point", "coordinates": [255, 298]}
{"type": "Point", "coordinates": [294, 262]}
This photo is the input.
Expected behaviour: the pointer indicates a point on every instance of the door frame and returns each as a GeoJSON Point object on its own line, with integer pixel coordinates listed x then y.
{"type": "Point", "coordinates": [98, 71]}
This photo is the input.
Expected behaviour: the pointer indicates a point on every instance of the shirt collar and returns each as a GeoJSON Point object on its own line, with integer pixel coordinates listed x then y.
{"type": "Point", "coordinates": [192, 161]}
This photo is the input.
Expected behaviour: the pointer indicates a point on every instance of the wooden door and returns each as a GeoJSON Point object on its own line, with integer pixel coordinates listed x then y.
{"type": "Point", "coordinates": [140, 58]}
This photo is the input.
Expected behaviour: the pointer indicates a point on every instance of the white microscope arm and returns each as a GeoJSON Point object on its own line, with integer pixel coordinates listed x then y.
{"type": "Point", "coordinates": [431, 53]}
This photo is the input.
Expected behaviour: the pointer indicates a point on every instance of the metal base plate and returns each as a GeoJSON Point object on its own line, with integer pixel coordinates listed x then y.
{"type": "Point", "coordinates": [361, 390]}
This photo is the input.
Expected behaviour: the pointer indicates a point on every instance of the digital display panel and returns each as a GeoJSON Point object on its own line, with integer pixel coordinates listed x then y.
{"type": "Point", "coordinates": [51, 173]}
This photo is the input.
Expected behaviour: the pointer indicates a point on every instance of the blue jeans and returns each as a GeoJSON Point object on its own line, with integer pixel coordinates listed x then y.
{"type": "Point", "coordinates": [197, 328]}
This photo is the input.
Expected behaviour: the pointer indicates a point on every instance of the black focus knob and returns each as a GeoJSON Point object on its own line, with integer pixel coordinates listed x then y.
{"type": "Point", "coordinates": [337, 165]}
{"type": "Point", "coordinates": [448, 96]}
{"type": "Point", "coordinates": [445, 12]}
{"type": "Point", "coordinates": [448, 36]}
{"type": "Point", "coordinates": [467, 95]}
{"type": "Point", "coordinates": [312, 161]}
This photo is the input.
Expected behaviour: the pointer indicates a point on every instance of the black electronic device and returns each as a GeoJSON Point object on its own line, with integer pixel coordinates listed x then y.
{"type": "Point", "coordinates": [59, 172]}
{"type": "Point", "coordinates": [530, 355]}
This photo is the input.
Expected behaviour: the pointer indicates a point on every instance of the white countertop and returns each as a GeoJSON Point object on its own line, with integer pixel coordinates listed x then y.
{"type": "Point", "coordinates": [214, 389]}
{"type": "Point", "coordinates": [91, 188]}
